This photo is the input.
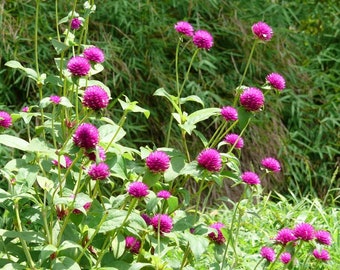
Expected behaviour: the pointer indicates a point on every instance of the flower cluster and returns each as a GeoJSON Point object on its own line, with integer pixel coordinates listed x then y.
{"type": "Point", "coordinates": [95, 98]}
{"type": "Point", "coordinates": [217, 236]}
{"type": "Point", "coordinates": [210, 159]}
{"type": "Point", "coordinates": [158, 161]}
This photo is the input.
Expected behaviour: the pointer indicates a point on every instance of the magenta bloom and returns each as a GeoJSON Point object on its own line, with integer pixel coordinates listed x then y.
{"type": "Point", "coordinates": [164, 194]}
{"type": "Point", "coordinates": [285, 257]}
{"type": "Point", "coordinates": [158, 161]}
{"type": "Point", "coordinates": [184, 28]}
{"type": "Point", "coordinates": [234, 139]}
{"type": "Point", "coordinates": [132, 244]}
{"type": "Point", "coordinates": [25, 109]}
{"type": "Point", "coordinates": [99, 171]}
{"type": "Point", "coordinates": [276, 81]}
{"type": "Point", "coordinates": [252, 99]}
{"type": "Point", "coordinates": [210, 159]}
{"type": "Point", "coordinates": [304, 231]}
{"type": "Point", "coordinates": [229, 113]}
{"type": "Point", "coordinates": [86, 206]}
{"type": "Point", "coordinates": [67, 160]}
{"type": "Point", "coordinates": [5, 119]}
{"type": "Point", "coordinates": [322, 255]}
{"type": "Point", "coordinates": [268, 253]}
{"type": "Point", "coordinates": [79, 66]}
{"type": "Point", "coordinates": [86, 135]}
{"type": "Point", "coordinates": [146, 218]}
{"type": "Point", "coordinates": [217, 237]}
{"type": "Point", "coordinates": [262, 30]}
{"type": "Point", "coordinates": [251, 178]}
{"type": "Point", "coordinates": [323, 237]}
{"type": "Point", "coordinates": [162, 222]}
{"type": "Point", "coordinates": [55, 99]}
{"type": "Point", "coordinates": [97, 155]}
{"type": "Point", "coordinates": [75, 23]}
{"type": "Point", "coordinates": [284, 236]}
{"type": "Point", "coordinates": [94, 54]}
{"type": "Point", "coordinates": [203, 39]}
{"type": "Point", "coordinates": [271, 164]}
{"type": "Point", "coordinates": [138, 189]}
{"type": "Point", "coordinates": [95, 98]}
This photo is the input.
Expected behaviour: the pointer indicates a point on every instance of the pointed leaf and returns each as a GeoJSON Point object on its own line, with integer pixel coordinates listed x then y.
{"type": "Point", "coordinates": [13, 142]}
{"type": "Point", "coordinates": [193, 98]}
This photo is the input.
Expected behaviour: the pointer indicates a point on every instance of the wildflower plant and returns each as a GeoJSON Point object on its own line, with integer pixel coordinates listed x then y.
{"type": "Point", "coordinates": [77, 197]}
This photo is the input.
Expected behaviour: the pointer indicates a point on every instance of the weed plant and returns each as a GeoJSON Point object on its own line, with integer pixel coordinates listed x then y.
{"type": "Point", "coordinates": [74, 195]}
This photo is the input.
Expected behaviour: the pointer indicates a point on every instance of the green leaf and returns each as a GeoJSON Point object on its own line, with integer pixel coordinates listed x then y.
{"type": "Point", "coordinates": [62, 263]}
{"type": "Point", "coordinates": [113, 220]}
{"type": "Point", "coordinates": [198, 244]}
{"type": "Point", "coordinates": [46, 251]}
{"type": "Point", "coordinates": [4, 195]}
{"type": "Point", "coordinates": [64, 101]}
{"type": "Point", "coordinates": [54, 80]}
{"type": "Point", "coordinates": [31, 73]}
{"type": "Point", "coordinates": [40, 146]}
{"type": "Point", "coordinates": [138, 265]}
{"type": "Point", "coordinates": [45, 183]}
{"type": "Point", "coordinates": [108, 131]}
{"type": "Point", "coordinates": [177, 163]}
{"type": "Point", "coordinates": [28, 236]}
{"type": "Point", "coordinates": [151, 178]}
{"type": "Point", "coordinates": [118, 246]}
{"type": "Point", "coordinates": [59, 46]}
{"type": "Point", "coordinates": [161, 92]}
{"type": "Point", "coordinates": [193, 98]}
{"type": "Point", "coordinates": [243, 117]}
{"type": "Point", "coordinates": [172, 204]}
{"type": "Point", "coordinates": [14, 64]}
{"type": "Point", "coordinates": [132, 106]}
{"type": "Point", "coordinates": [13, 142]}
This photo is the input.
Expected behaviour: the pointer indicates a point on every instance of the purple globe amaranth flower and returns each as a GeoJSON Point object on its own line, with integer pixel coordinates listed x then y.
{"type": "Point", "coordinates": [285, 257]}
{"type": "Point", "coordinates": [86, 135]}
{"type": "Point", "coordinates": [132, 244]}
{"type": "Point", "coordinates": [158, 161]}
{"type": "Point", "coordinates": [276, 80]}
{"type": "Point", "coordinates": [322, 255]}
{"type": "Point", "coordinates": [164, 194]}
{"type": "Point", "coordinates": [86, 206]}
{"type": "Point", "coordinates": [284, 236]}
{"type": "Point", "coordinates": [203, 39]}
{"type": "Point", "coordinates": [162, 222]}
{"type": "Point", "coordinates": [99, 171]}
{"type": "Point", "coordinates": [304, 231]}
{"type": "Point", "coordinates": [250, 178]}
{"type": "Point", "coordinates": [138, 189]}
{"type": "Point", "coordinates": [146, 218]}
{"type": "Point", "coordinates": [262, 30]}
{"type": "Point", "coordinates": [252, 99]}
{"type": "Point", "coordinates": [95, 98]}
{"type": "Point", "coordinates": [184, 28]}
{"type": "Point", "coordinates": [210, 159]}
{"type": "Point", "coordinates": [97, 155]}
{"type": "Point", "coordinates": [217, 237]}
{"type": "Point", "coordinates": [76, 23]}
{"type": "Point", "coordinates": [271, 164]}
{"type": "Point", "coordinates": [5, 119]}
{"type": "Point", "coordinates": [55, 99]}
{"type": "Point", "coordinates": [68, 162]}
{"type": "Point", "coordinates": [25, 109]}
{"type": "Point", "coordinates": [234, 139]}
{"type": "Point", "coordinates": [268, 253]}
{"type": "Point", "coordinates": [323, 237]}
{"type": "Point", "coordinates": [94, 54]}
{"type": "Point", "coordinates": [229, 113]}
{"type": "Point", "coordinates": [79, 66]}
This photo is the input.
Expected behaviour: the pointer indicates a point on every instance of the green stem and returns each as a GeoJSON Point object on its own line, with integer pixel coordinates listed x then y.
{"type": "Point", "coordinates": [57, 20]}
{"type": "Point", "coordinates": [120, 125]}
{"type": "Point", "coordinates": [36, 38]}
{"type": "Point", "coordinates": [184, 141]}
{"type": "Point", "coordinates": [220, 133]}
{"type": "Point", "coordinates": [258, 264]}
{"type": "Point", "coordinates": [23, 242]}
{"type": "Point", "coordinates": [187, 250]}
{"type": "Point", "coordinates": [277, 257]}
{"type": "Point", "coordinates": [199, 193]}
{"type": "Point", "coordinates": [44, 216]}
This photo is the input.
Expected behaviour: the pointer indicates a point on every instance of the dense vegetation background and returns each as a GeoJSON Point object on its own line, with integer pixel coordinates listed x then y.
{"type": "Point", "coordinates": [139, 42]}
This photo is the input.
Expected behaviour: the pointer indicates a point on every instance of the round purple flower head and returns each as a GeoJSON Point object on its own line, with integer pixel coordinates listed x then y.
{"type": "Point", "coordinates": [323, 237]}
{"type": "Point", "coordinates": [86, 135]}
{"type": "Point", "coordinates": [5, 119]}
{"type": "Point", "coordinates": [251, 178]}
{"type": "Point", "coordinates": [146, 218]}
{"type": "Point", "coordinates": [304, 231]}
{"type": "Point", "coordinates": [76, 23]}
{"type": "Point", "coordinates": [262, 30]}
{"type": "Point", "coordinates": [94, 54]}
{"type": "Point", "coordinates": [203, 39]}
{"type": "Point", "coordinates": [79, 66]}
{"type": "Point", "coordinates": [99, 171]}
{"type": "Point", "coordinates": [86, 206]}
{"type": "Point", "coordinates": [55, 99]}
{"type": "Point", "coordinates": [229, 113]}
{"type": "Point", "coordinates": [95, 98]}
{"type": "Point", "coordinates": [164, 194]}
{"type": "Point", "coordinates": [284, 236]}
{"type": "Point", "coordinates": [217, 237]}
{"type": "Point", "coordinates": [271, 164]}
{"type": "Point", "coordinates": [322, 255]}
{"type": "Point", "coordinates": [138, 189]}
{"type": "Point", "coordinates": [25, 109]}
{"type": "Point", "coordinates": [99, 153]}
{"type": "Point", "coordinates": [158, 161]}
{"type": "Point", "coordinates": [132, 244]}
{"type": "Point", "coordinates": [268, 253]}
{"type": "Point", "coordinates": [184, 28]}
{"type": "Point", "coordinates": [252, 99]}
{"type": "Point", "coordinates": [162, 222]}
{"type": "Point", "coordinates": [210, 159]}
{"type": "Point", "coordinates": [67, 160]}
{"type": "Point", "coordinates": [285, 257]}
{"type": "Point", "coordinates": [276, 81]}
{"type": "Point", "coordinates": [234, 139]}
